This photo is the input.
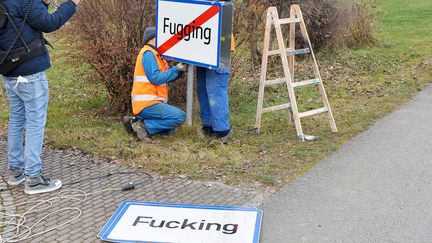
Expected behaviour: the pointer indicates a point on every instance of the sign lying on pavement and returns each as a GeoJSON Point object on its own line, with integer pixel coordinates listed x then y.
{"type": "Point", "coordinates": [191, 31]}
{"type": "Point", "coordinates": [162, 222]}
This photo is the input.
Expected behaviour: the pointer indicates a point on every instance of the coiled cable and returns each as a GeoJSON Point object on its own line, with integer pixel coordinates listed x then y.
{"type": "Point", "coordinates": [17, 221]}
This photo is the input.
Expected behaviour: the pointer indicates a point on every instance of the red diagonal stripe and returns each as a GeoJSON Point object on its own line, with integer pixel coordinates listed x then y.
{"type": "Point", "coordinates": [200, 20]}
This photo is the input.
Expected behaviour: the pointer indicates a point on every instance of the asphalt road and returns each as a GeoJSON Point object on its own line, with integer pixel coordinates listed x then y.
{"type": "Point", "coordinates": [376, 188]}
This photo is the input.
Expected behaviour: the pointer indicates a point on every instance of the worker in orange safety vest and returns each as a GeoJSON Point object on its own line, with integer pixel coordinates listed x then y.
{"type": "Point", "coordinates": [152, 114]}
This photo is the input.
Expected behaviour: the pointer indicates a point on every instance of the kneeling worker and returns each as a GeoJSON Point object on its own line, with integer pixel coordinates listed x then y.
{"type": "Point", "coordinates": [152, 114]}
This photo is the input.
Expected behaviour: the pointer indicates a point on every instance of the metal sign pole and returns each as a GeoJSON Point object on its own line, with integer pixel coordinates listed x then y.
{"type": "Point", "coordinates": [189, 97]}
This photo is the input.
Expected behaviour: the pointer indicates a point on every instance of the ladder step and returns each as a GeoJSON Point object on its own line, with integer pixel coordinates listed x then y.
{"type": "Point", "coordinates": [313, 112]}
{"type": "Point", "coordinates": [276, 108]}
{"type": "Point", "coordinates": [289, 20]}
{"type": "Point", "coordinates": [305, 83]}
{"type": "Point", "coordinates": [298, 52]}
{"type": "Point", "coordinates": [290, 52]}
{"type": "Point", "coordinates": [295, 84]}
{"type": "Point", "coordinates": [275, 81]}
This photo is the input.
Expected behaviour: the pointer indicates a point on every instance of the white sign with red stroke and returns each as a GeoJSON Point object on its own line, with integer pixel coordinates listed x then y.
{"type": "Point", "coordinates": [189, 31]}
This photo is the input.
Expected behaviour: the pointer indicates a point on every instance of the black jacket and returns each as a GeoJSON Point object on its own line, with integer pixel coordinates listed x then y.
{"type": "Point", "coordinates": [39, 20]}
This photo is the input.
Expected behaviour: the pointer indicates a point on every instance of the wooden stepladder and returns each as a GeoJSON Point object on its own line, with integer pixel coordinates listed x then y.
{"type": "Point", "coordinates": [288, 63]}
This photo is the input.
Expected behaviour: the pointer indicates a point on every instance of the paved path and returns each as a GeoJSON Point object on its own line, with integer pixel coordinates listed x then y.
{"type": "Point", "coordinates": [376, 188]}
{"type": "Point", "coordinates": [98, 209]}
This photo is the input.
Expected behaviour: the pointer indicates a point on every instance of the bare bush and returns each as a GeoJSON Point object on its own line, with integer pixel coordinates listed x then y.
{"type": "Point", "coordinates": [323, 19]}
{"type": "Point", "coordinates": [248, 26]}
{"type": "Point", "coordinates": [111, 32]}
{"type": "Point", "coordinates": [330, 23]}
{"type": "Point", "coordinates": [361, 27]}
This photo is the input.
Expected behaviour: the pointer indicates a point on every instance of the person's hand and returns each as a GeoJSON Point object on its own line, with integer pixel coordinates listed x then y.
{"type": "Point", "coordinates": [76, 1]}
{"type": "Point", "coordinates": [47, 2]}
{"type": "Point", "coordinates": [181, 67]}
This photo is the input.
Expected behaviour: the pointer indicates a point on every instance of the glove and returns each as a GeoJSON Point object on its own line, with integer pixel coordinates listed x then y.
{"type": "Point", "coordinates": [181, 67]}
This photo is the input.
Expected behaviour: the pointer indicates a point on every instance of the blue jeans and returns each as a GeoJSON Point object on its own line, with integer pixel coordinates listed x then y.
{"type": "Point", "coordinates": [160, 118]}
{"type": "Point", "coordinates": [28, 109]}
{"type": "Point", "coordinates": [213, 98]}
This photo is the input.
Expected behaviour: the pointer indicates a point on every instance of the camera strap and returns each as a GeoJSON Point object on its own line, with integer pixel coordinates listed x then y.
{"type": "Point", "coordinates": [6, 17]}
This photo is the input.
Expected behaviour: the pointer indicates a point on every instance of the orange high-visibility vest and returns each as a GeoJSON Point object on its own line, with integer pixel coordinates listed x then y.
{"type": "Point", "coordinates": [233, 47]}
{"type": "Point", "coordinates": [144, 93]}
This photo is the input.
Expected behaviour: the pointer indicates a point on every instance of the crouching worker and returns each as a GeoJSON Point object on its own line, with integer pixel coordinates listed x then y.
{"type": "Point", "coordinates": [152, 114]}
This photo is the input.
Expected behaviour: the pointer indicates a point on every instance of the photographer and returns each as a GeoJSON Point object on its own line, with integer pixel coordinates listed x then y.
{"type": "Point", "coordinates": [23, 61]}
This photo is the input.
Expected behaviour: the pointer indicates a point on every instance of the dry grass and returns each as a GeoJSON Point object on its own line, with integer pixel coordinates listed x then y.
{"type": "Point", "coordinates": [361, 30]}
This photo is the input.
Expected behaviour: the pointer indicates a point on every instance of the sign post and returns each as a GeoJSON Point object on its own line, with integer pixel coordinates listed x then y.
{"type": "Point", "coordinates": [194, 32]}
{"type": "Point", "coordinates": [189, 97]}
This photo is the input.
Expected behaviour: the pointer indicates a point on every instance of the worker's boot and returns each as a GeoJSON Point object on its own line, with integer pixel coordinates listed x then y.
{"type": "Point", "coordinates": [223, 137]}
{"type": "Point", "coordinates": [208, 131]}
{"type": "Point", "coordinates": [168, 132]}
{"type": "Point", "coordinates": [141, 131]}
{"type": "Point", "coordinates": [127, 123]}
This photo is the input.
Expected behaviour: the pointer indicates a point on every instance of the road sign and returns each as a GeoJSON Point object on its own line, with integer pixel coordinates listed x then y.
{"type": "Point", "coordinates": [163, 222]}
{"type": "Point", "coordinates": [190, 31]}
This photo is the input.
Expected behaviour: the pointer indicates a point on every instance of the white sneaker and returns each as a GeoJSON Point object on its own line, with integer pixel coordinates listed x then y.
{"type": "Point", "coordinates": [16, 177]}
{"type": "Point", "coordinates": [35, 185]}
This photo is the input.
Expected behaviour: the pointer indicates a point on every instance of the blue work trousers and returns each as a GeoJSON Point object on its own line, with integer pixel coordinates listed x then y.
{"type": "Point", "coordinates": [161, 118]}
{"type": "Point", "coordinates": [213, 98]}
{"type": "Point", "coordinates": [28, 103]}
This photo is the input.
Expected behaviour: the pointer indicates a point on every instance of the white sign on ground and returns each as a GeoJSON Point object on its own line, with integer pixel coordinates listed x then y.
{"type": "Point", "coordinates": [162, 222]}
{"type": "Point", "coordinates": [189, 31]}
